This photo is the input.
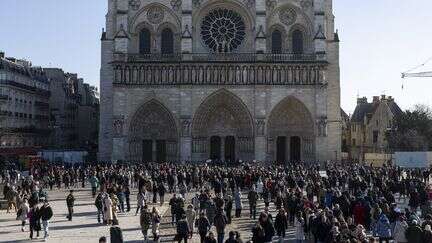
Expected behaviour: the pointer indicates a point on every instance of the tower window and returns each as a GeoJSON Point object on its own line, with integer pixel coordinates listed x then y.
{"type": "Point", "coordinates": [297, 42]}
{"type": "Point", "coordinates": [145, 41]}
{"type": "Point", "coordinates": [276, 42]}
{"type": "Point", "coordinates": [167, 46]}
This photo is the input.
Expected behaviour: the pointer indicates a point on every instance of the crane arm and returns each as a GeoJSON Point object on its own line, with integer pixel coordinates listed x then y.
{"type": "Point", "coordinates": [417, 75]}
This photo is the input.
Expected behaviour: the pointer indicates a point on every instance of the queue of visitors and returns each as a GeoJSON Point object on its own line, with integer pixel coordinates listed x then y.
{"type": "Point", "coordinates": [348, 203]}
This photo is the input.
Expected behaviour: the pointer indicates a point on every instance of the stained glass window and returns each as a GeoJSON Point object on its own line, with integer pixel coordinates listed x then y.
{"type": "Point", "coordinates": [223, 30]}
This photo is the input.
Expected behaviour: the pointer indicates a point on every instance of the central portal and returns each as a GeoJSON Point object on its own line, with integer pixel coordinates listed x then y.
{"type": "Point", "coordinates": [230, 149]}
{"type": "Point", "coordinates": [222, 129]}
{"type": "Point", "coordinates": [161, 151]}
{"type": "Point", "coordinates": [215, 148]}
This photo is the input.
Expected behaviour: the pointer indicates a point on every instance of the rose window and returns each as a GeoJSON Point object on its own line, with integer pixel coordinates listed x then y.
{"type": "Point", "coordinates": [223, 30]}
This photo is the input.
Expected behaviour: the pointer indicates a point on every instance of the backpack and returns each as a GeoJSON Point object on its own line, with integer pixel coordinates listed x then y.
{"type": "Point", "coordinates": [182, 228]}
{"type": "Point", "coordinates": [98, 201]}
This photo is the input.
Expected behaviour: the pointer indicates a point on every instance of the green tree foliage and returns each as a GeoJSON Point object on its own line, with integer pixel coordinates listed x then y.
{"type": "Point", "coordinates": [412, 130]}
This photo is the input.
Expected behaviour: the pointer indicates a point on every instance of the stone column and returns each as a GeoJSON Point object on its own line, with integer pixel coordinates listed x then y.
{"type": "Point", "coordinates": [320, 30]}
{"type": "Point", "coordinates": [260, 141]}
{"type": "Point", "coordinates": [154, 150]}
{"type": "Point", "coordinates": [186, 140]}
{"type": "Point", "coordinates": [119, 139]}
{"type": "Point", "coordinates": [222, 155]}
{"type": "Point", "coordinates": [186, 32]}
{"type": "Point", "coordinates": [260, 27]}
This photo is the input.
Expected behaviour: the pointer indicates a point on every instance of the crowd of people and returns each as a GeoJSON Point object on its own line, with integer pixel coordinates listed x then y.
{"type": "Point", "coordinates": [347, 203]}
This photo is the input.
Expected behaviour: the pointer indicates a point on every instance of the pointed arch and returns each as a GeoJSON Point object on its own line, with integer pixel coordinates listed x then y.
{"type": "Point", "coordinates": [224, 115]}
{"type": "Point", "coordinates": [224, 101]}
{"type": "Point", "coordinates": [291, 122]}
{"type": "Point", "coordinates": [153, 129]}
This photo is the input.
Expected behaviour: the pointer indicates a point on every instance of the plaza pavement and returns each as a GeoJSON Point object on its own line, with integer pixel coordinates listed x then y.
{"type": "Point", "coordinates": [84, 227]}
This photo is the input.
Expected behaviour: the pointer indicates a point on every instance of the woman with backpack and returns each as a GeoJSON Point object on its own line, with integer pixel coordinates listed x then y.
{"type": "Point", "coordinates": [23, 212]}
{"type": "Point", "coordinates": [182, 230]}
{"type": "Point", "coordinates": [155, 224]}
{"type": "Point", "coordinates": [34, 220]}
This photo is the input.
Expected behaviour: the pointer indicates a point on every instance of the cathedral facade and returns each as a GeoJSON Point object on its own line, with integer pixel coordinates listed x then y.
{"type": "Point", "coordinates": [191, 80]}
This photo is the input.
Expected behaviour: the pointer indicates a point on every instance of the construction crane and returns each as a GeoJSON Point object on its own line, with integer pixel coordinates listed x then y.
{"type": "Point", "coordinates": [417, 75]}
{"type": "Point", "coordinates": [410, 74]}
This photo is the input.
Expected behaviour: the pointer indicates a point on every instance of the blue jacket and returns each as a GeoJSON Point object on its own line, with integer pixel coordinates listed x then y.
{"type": "Point", "coordinates": [383, 228]}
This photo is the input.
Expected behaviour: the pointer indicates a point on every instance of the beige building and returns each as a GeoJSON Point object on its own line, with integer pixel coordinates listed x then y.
{"type": "Point", "coordinates": [369, 124]}
{"type": "Point", "coordinates": [228, 80]}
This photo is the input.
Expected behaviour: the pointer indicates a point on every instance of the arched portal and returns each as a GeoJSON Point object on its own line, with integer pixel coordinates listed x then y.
{"type": "Point", "coordinates": [153, 134]}
{"type": "Point", "coordinates": [290, 132]}
{"type": "Point", "coordinates": [222, 116]}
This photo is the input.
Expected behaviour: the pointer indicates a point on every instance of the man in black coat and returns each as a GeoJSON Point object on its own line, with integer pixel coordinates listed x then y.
{"type": "Point", "coordinates": [46, 214]}
{"type": "Point", "coordinates": [70, 201]}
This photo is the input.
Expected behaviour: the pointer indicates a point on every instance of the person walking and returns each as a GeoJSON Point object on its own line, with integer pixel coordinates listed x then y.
{"type": "Point", "coordinates": [399, 230]}
{"type": "Point", "coordinates": [383, 229]}
{"type": "Point", "coordinates": [156, 220]}
{"type": "Point", "coordinates": [99, 206]}
{"type": "Point", "coordinates": [145, 221]}
{"type": "Point", "coordinates": [121, 199]}
{"type": "Point", "coordinates": [220, 222]}
{"type": "Point", "coordinates": [140, 201]}
{"type": "Point", "coordinates": [299, 225]}
{"type": "Point", "coordinates": [34, 221]}
{"type": "Point", "coordinates": [414, 233]}
{"type": "Point", "coordinates": [94, 183]}
{"type": "Point", "coordinates": [182, 230]}
{"type": "Point", "coordinates": [46, 214]}
{"type": "Point", "coordinates": [127, 197]}
{"type": "Point", "coordinates": [268, 227]}
{"type": "Point", "coordinates": [281, 224]}
{"type": "Point", "coordinates": [107, 207]}
{"type": "Point", "coordinates": [23, 212]}
{"type": "Point", "coordinates": [203, 226]}
{"type": "Point", "coordinates": [70, 201]}
{"type": "Point", "coordinates": [161, 190]}
{"type": "Point", "coordinates": [252, 197]}
{"type": "Point", "coordinates": [228, 206]}
{"type": "Point", "coordinates": [238, 203]}
{"type": "Point", "coordinates": [190, 217]}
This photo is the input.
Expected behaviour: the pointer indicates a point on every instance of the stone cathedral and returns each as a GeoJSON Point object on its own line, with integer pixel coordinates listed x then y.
{"type": "Point", "coordinates": [228, 80]}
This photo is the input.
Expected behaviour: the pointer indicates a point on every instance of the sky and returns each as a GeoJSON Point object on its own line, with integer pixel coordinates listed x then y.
{"type": "Point", "coordinates": [380, 39]}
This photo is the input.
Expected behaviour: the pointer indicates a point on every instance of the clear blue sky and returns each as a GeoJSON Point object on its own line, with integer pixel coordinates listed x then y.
{"type": "Point", "coordinates": [379, 40]}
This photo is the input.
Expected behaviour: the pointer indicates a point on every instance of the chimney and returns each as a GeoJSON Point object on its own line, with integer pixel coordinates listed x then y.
{"type": "Point", "coordinates": [2, 54]}
{"type": "Point", "coordinates": [376, 99]}
{"type": "Point", "coordinates": [361, 100]}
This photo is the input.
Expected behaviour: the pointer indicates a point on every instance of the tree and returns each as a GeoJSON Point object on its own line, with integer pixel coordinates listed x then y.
{"type": "Point", "coordinates": [412, 130]}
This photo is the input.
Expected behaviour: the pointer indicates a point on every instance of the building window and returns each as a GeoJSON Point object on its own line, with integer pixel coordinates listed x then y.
{"type": "Point", "coordinates": [297, 42]}
{"type": "Point", "coordinates": [145, 41]}
{"type": "Point", "coordinates": [375, 136]}
{"type": "Point", "coordinates": [167, 42]}
{"type": "Point", "coordinates": [223, 30]}
{"type": "Point", "coordinates": [353, 142]}
{"type": "Point", "coordinates": [276, 42]}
